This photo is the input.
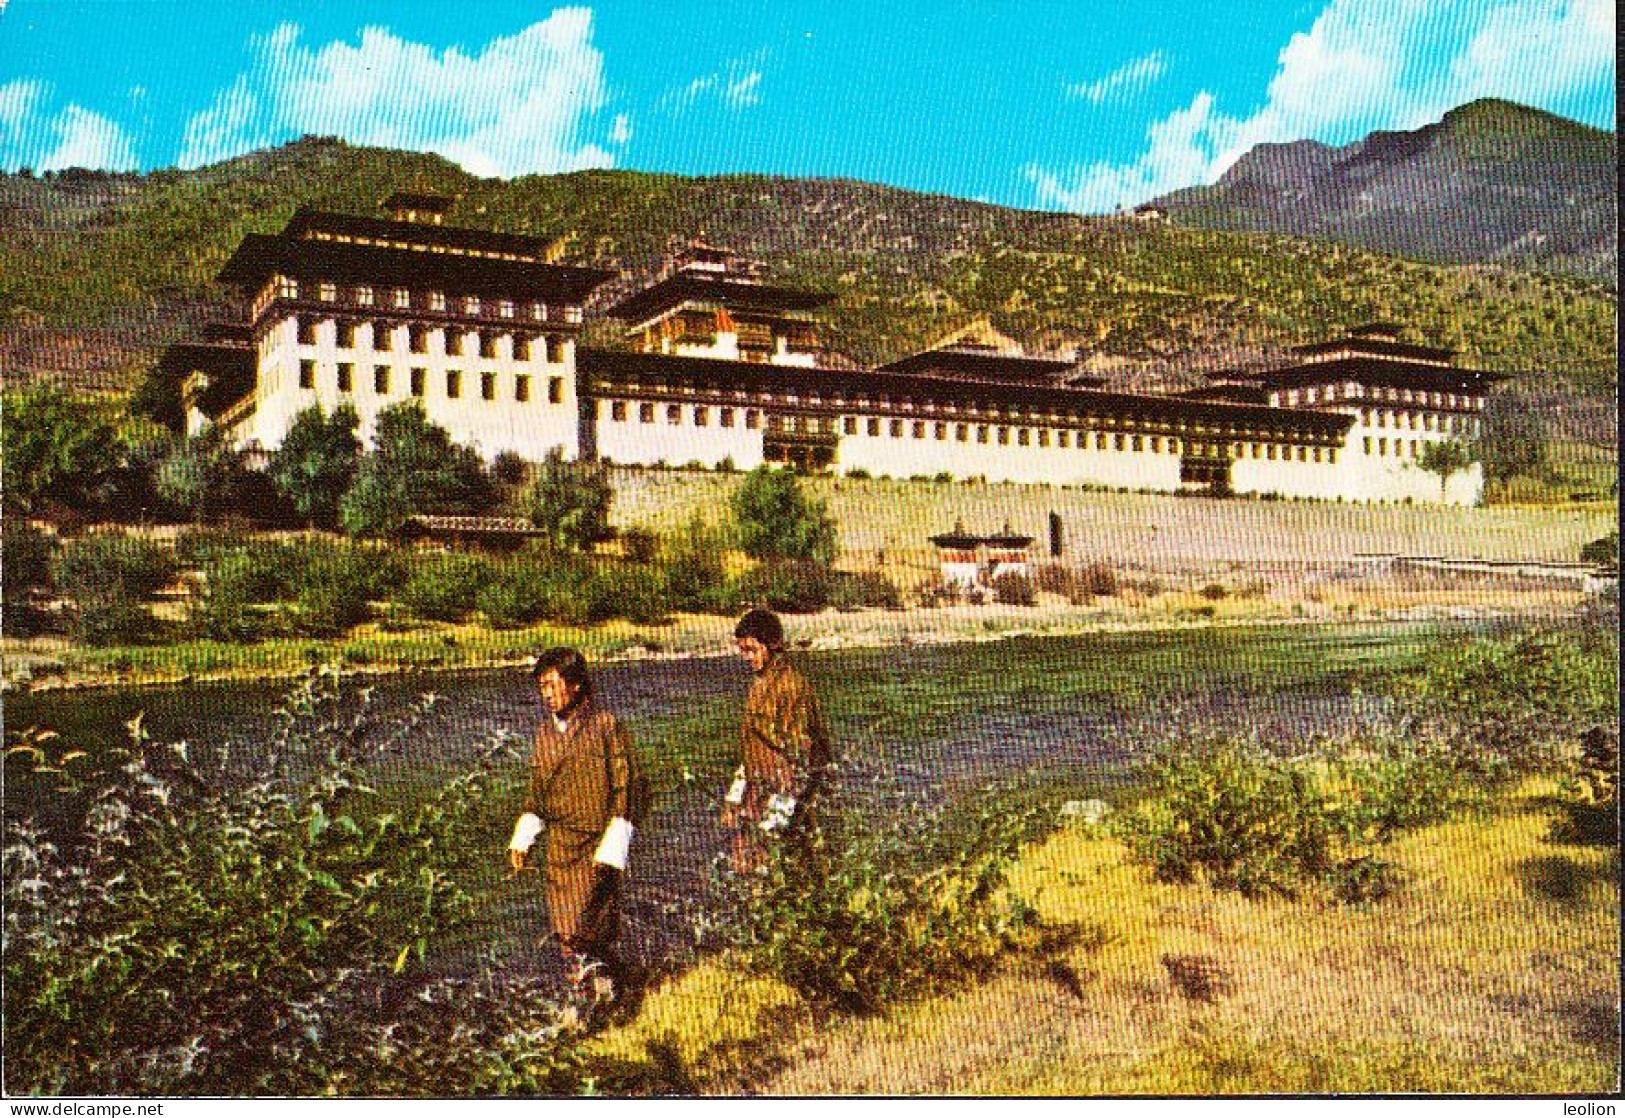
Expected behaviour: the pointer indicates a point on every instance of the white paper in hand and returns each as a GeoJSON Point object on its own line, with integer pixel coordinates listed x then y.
{"type": "Point", "coordinates": [525, 832]}
{"type": "Point", "coordinates": [780, 808]}
{"type": "Point", "coordinates": [613, 847]}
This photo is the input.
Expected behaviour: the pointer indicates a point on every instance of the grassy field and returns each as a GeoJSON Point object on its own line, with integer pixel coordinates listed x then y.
{"type": "Point", "coordinates": [889, 523]}
{"type": "Point", "coordinates": [1494, 971]}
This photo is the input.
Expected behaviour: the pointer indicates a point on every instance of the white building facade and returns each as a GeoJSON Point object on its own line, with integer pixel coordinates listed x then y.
{"type": "Point", "coordinates": [481, 332]}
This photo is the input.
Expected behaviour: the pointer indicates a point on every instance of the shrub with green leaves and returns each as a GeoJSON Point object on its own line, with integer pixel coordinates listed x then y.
{"type": "Point", "coordinates": [336, 584]}
{"type": "Point", "coordinates": [1012, 589]}
{"type": "Point", "coordinates": [25, 561]}
{"type": "Point", "coordinates": [883, 902]}
{"type": "Point", "coordinates": [693, 562]}
{"type": "Point", "coordinates": [109, 578]}
{"type": "Point", "coordinates": [1239, 817]}
{"type": "Point", "coordinates": [445, 587]}
{"type": "Point", "coordinates": [192, 929]}
{"type": "Point", "coordinates": [569, 502]}
{"type": "Point", "coordinates": [777, 521]}
{"type": "Point", "coordinates": [1519, 704]}
{"type": "Point", "coordinates": [788, 586]}
{"type": "Point", "coordinates": [224, 605]}
{"type": "Point", "coordinates": [864, 589]}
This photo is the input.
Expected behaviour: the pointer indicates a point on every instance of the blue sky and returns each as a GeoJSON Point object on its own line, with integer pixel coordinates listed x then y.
{"type": "Point", "coordinates": [1076, 106]}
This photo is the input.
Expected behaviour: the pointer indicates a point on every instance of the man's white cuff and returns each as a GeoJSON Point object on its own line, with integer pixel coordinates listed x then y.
{"type": "Point", "coordinates": [525, 832]}
{"type": "Point", "coordinates": [613, 847]}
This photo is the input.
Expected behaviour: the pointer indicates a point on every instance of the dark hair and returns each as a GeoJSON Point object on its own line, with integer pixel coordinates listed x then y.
{"type": "Point", "coordinates": [570, 664]}
{"type": "Point", "coordinates": [763, 625]}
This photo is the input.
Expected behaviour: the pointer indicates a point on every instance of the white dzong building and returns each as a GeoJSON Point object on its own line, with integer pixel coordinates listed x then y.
{"type": "Point", "coordinates": [474, 326]}
{"type": "Point", "coordinates": [724, 369]}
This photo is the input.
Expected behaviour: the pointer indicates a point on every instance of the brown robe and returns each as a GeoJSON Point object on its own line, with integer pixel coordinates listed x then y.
{"type": "Point", "coordinates": [578, 784]}
{"type": "Point", "coordinates": [783, 739]}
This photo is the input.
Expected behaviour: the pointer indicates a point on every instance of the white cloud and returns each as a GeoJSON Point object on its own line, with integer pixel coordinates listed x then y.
{"type": "Point", "coordinates": [519, 105]}
{"type": "Point", "coordinates": [622, 130]}
{"type": "Point", "coordinates": [1356, 69]}
{"type": "Point", "coordinates": [738, 87]}
{"type": "Point", "coordinates": [1538, 55]}
{"type": "Point", "coordinates": [745, 91]}
{"type": "Point", "coordinates": [1127, 78]}
{"type": "Point", "coordinates": [72, 137]}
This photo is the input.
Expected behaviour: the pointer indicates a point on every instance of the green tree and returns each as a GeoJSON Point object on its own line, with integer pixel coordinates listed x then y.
{"type": "Point", "coordinates": [317, 462]}
{"type": "Point", "coordinates": [1514, 440]}
{"type": "Point", "coordinates": [203, 477]}
{"type": "Point", "coordinates": [58, 448]}
{"type": "Point", "coordinates": [569, 501]}
{"type": "Point", "coordinates": [778, 521]}
{"type": "Point", "coordinates": [1446, 459]}
{"type": "Point", "coordinates": [414, 467]}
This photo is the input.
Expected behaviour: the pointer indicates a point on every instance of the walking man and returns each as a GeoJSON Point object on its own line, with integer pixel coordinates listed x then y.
{"type": "Point", "coordinates": [584, 792]}
{"type": "Point", "coordinates": [784, 746]}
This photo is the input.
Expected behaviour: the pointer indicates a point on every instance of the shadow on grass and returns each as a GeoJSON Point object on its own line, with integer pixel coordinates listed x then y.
{"type": "Point", "coordinates": [1559, 878]}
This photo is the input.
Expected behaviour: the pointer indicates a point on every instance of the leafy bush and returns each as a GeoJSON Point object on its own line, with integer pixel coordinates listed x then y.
{"type": "Point", "coordinates": [693, 563]}
{"type": "Point", "coordinates": [785, 585]}
{"type": "Point", "coordinates": [196, 930]}
{"type": "Point", "coordinates": [200, 545]}
{"type": "Point", "coordinates": [223, 608]}
{"type": "Point", "coordinates": [414, 467]}
{"type": "Point", "coordinates": [205, 479]}
{"type": "Point", "coordinates": [445, 587]}
{"type": "Point", "coordinates": [1053, 578]}
{"type": "Point", "coordinates": [633, 591]}
{"type": "Point", "coordinates": [1214, 592]}
{"type": "Point", "coordinates": [1012, 589]}
{"type": "Point", "coordinates": [25, 561]}
{"type": "Point", "coordinates": [58, 448]}
{"type": "Point", "coordinates": [569, 501]}
{"type": "Point", "coordinates": [864, 589]}
{"type": "Point", "coordinates": [777, 521]}
{"type": "Point", "coordinates": [640, 545]}
{"type": "Point", "coordinates": [335, 588]}
{"type": "Point", "coordinates": [1245, 819]}
{"type": "Point", "coordinates": [317, 462]}
{"type": "Point", "coordinates": [109, 578]}
{"type": "Point", "coordinates": [876, 905]}
{"type": "Point", "coordinates": [1100, 580]}
{"type": "Point", "coordinates": [1519, 704]}
{"type": "Point", "coordinates": [1603, 553]}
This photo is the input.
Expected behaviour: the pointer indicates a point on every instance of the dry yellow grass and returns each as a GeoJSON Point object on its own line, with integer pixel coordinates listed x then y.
{"type": "Point", "coordinates": [897, 518]}
{"type": "Point", "coordinates": [1494, 971]}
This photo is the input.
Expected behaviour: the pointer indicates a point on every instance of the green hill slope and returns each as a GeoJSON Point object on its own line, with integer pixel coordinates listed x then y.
{"type": "Point", "coordinates": [97, 272]}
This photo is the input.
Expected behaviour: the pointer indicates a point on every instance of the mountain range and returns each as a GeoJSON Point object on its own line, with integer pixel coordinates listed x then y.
{"type": "Point", "coordinates": [1493, 182]}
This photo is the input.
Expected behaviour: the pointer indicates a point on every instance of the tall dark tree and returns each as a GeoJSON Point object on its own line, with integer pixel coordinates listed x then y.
{"type": "Point", "coordinates": [414, 467]}
{"type": "Point", "coordinates": [778, 521]}
{"type": "Point", "coordinates": [1514, 440]}
{"type": "Point", "coordinates": [204, 478]}
{"type": "Point", "coordinates": [317, 462]}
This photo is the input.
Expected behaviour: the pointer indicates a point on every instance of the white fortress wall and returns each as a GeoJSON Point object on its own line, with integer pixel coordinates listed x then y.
{"type": "Point", "coordinates": [545, 418]}
{"type": "Point", "coordinates": [642, 432]}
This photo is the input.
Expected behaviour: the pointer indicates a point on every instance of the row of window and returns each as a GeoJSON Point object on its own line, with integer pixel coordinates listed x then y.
{"type": "Point", "coordinates": [885, 402]}
{"type": "Point", "coordinates": [344, 380]}
{"type": "Point", "coordinates": [454, 343]}
{"type": "Point", "coordinates": [1401, 449]}
{"type": "Point", "coordinates": [1412, 421]}
{"type": "Point", "coordinates": [403, 299]}
{"type": "Point", "coordinates": [961, 432]}
{"type": "Point", "coordinates": [1353, 391]}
